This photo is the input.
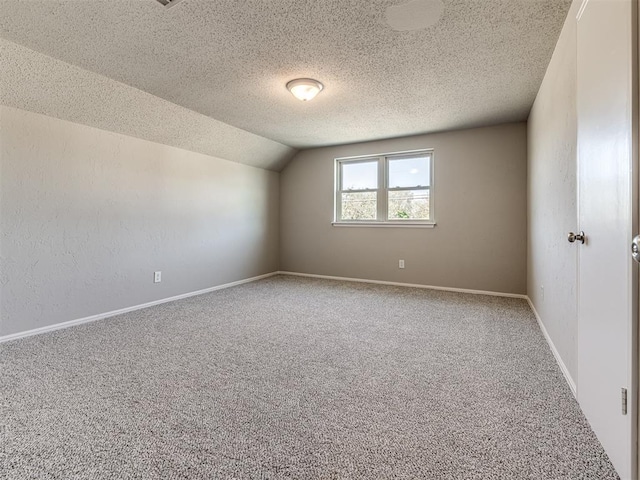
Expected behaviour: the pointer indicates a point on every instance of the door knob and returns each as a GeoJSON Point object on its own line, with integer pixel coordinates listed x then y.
{"type": "Point", "coordinates": [635, 248]}
{"type": "Point", "coordinates": [573, 237]}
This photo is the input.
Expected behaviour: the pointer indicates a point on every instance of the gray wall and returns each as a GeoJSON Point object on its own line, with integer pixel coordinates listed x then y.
{"type": "Point", "coordinates": [87, 216]}
{"type": "Point", "coordinates": [480, 208]}
{"type": "Point", "coordinates": [552, 211]}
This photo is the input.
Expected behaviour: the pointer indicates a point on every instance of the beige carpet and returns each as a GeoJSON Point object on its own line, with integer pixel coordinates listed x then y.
{"type": "Point", "coordinates": [296, 378]}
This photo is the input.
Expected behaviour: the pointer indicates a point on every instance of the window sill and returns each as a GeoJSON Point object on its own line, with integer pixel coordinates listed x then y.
{"type": "Point", "coordinates": [385, 224]}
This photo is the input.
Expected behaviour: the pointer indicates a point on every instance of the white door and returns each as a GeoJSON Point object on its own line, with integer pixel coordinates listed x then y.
{"type": "Point", "coordinates": [606, 274]}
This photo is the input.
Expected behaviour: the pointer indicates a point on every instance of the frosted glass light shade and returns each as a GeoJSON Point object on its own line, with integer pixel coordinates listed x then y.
{"type": "Point", "coordinates": [304, 89]}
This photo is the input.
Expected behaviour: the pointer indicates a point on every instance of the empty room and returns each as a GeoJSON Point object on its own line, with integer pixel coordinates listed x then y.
{"type": "Point", "coordinates": [358, 239]}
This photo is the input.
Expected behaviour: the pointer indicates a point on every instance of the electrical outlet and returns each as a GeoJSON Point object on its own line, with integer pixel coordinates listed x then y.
{"type": "Point", "coordinates": [157, 277]}
{"type": "Point", "coordinates": [400, 263]}
{"type": "Point", "coordinates": [542, 291]}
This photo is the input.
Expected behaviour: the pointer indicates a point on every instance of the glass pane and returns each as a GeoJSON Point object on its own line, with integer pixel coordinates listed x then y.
{"type": "Point", "coordinates": [409, 172]}
{"type": "Point", "coordinates": [359, 206]}
{"type": "Point", "coordinates": [360, 175]}
{"type": "Point", "coordinates": [409, 205]}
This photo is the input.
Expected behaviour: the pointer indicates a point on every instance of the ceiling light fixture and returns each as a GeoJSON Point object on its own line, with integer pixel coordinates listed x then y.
{"type": "Point", "coordinates": [304, 89]}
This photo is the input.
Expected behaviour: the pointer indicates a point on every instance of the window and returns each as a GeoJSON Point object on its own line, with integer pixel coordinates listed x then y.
{"type": "Point", "coordinates": [389, 189]}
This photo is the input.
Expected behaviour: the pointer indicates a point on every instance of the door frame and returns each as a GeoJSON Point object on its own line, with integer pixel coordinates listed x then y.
{"type": "Point", "coordinates": [634, 333]}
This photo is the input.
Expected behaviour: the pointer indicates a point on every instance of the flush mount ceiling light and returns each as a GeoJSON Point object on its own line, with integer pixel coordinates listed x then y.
{"type": "Point", "coordinates": [304, 89]}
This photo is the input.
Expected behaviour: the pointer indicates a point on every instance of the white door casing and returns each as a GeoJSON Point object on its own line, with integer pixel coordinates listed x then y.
{"type": "Point", "coordinates": [606, 275]}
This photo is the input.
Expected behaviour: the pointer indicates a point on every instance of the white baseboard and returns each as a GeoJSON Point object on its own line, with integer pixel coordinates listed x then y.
{"type": "Point", "coordinates": [413, 285]}
{"type": "Point", "coordinates": [563, 367]}
{"type": "Point", "coordinates": [100, 316]}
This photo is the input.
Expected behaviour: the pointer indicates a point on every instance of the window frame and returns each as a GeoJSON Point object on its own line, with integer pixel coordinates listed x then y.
{"type": "Point", "coordinates": [382, 196]}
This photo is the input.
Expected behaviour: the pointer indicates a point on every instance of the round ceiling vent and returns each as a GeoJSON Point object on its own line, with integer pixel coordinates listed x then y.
{"type": "Point", "coordinates": [414, 15]}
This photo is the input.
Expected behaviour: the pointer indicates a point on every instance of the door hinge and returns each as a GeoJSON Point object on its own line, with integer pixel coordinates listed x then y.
{"type": "Point", "coordinates": [624, 401]}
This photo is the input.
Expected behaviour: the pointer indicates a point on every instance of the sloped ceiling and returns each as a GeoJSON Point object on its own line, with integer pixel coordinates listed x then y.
{"type": "Point", "coordinates": [480, 64]}
{"type": "Point", "coordinates": [38, 83]}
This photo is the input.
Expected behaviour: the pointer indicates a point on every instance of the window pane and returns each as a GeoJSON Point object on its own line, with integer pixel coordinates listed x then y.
{"type": "Point", "coordinates": [359, 206]}
{"type": "Point", "coordinates": [360, 175]}
{"type": "Point", "coordinates": [409, 205]}
{"type": "Point", "coordinates": [409, 172]}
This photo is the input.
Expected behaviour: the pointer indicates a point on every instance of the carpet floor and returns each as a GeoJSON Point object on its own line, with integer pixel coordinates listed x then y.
{"type": "Point", "coordinates": [300, 378]}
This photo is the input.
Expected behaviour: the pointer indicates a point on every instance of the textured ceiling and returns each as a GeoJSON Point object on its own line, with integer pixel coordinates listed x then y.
{"type": "Point", "coordinates": [38, 83]}
{"type": "Point", "coordinates": [481, 64]}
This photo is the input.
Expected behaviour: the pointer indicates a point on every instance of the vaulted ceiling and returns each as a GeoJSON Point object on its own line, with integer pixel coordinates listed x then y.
{"type": "Point", "coordinates": [481, 63]}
